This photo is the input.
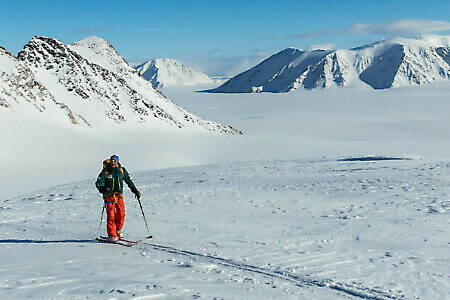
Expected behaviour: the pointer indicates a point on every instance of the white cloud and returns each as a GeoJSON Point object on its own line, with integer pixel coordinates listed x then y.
{"type": "Point", "coordinates": [400, 27]}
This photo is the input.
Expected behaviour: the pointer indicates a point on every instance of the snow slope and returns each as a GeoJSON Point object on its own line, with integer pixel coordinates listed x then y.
{"type": "Point", "coordinates": [275, 229]}
{"type": "Point", "coordinates": [164, 72]}
{"type": "Point", "coordinates": [392, 63]}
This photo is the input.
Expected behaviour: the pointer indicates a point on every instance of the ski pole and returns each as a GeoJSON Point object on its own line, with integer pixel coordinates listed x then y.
{"type": "Point", "coordinates": [149, 235]}
{"type": "Point", "coordinates": [101, 219]}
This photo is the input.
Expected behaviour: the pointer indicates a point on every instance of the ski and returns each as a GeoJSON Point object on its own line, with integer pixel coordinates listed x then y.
{"type": "Point", "coordinates": [104, 239]}
{"type": "Point", "coordinates": [130, 241]}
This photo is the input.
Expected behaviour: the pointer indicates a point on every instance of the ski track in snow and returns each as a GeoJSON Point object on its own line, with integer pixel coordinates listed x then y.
{"type": "Point", "coordinates": [264, 229]}
{"type": "Point", "coordinates": [354, 290]}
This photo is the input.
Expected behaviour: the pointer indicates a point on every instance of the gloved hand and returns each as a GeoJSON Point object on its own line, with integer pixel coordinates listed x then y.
{"type": "Point", "coordinates": [104, 190]}
{"type": "Point", "coordinates": [136, 193]}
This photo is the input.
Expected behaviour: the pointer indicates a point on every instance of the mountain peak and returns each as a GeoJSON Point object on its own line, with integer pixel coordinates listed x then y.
{"type": "Point", "coordinates": [102, 53]}
{"type": "Point", "coordinates": [94, 42]}
{"type": "Point", "coordinates": [41, 49]}
{"type": "Point", "coordinates": [40, 40]}
{"type": "Point", "coordinates": [94, 39]}
{"type": "Point", "coordinates": [168, 72]}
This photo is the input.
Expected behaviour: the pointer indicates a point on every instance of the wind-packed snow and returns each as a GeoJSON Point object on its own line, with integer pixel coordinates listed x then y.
{"type": "Point", "coordinates": [391, 63]}
{"type": "Point", "coordinates": [164, 72]}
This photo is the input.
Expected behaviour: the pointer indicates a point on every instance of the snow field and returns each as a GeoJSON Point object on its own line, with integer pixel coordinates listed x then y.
{"type": "Point", "coordinates": [275, 225]}
{"type": "Point", "coordinates": [273, 229]}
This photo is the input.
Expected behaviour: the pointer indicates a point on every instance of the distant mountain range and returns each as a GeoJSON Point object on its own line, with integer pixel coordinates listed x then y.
{"type": "Point", "coordinates": [164, 72]}
{"type": "Point", "coordinates": [386, 64]}
{"type": "Point", "coordinates": [87, 83]}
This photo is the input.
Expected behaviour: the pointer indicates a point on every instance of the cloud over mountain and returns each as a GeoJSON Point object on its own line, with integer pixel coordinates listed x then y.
{"type": "Point", "coordinates": [401, 27]}
{"type": "Point", "coordinates": [405, 27]}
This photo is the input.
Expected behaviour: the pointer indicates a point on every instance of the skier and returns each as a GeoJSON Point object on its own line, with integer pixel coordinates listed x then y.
{"type": "Point", "coordinates": [110, 184]}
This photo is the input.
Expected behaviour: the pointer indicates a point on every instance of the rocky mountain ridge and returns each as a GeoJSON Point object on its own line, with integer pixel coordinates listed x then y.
{"type": "Point", "coordinates": [91, 83]}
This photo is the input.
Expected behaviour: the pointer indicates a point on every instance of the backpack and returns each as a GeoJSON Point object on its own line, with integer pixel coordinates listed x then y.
{"type": "Point", "coordinates": [105, 167]}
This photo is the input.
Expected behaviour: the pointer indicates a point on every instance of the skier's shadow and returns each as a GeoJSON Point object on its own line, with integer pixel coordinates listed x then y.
{"type": "Point", "coordinates": [27, 241]}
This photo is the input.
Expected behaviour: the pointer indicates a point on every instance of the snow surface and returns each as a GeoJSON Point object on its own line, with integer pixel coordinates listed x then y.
{"type": "Point", "coordinates": [276, 215]}
{"type": "Point", "coordinates": [272, 229]}
{"type": "Point", "coordinates": [164, 72]}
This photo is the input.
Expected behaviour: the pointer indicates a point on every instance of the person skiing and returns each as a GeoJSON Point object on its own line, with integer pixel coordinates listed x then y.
{"type": "Point", "coordinates": [110, 184]}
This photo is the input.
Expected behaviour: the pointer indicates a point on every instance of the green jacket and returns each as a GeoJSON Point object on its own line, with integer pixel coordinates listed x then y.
{"type": "Point", "coordinates": [112, 182]}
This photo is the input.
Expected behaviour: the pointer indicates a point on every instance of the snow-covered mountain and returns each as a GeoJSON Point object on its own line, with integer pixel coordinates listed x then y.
{"type": "Point", "coordinates": [164, 72]}
{"type": "Point", "coordinates": [91, 84]}
{"type": "Point", "coordinates": [385, 64]}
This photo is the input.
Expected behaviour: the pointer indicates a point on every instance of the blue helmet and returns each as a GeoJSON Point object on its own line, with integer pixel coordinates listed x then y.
{"type": "Point", "coordinates": [116, 157]}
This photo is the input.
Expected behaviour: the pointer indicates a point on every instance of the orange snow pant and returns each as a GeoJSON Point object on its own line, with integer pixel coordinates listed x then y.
{"type": "Point", "coordinates": [115, 211]}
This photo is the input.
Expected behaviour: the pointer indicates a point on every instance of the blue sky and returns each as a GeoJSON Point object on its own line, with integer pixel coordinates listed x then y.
{"type": "Point", "coordinates": [217, 34]}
